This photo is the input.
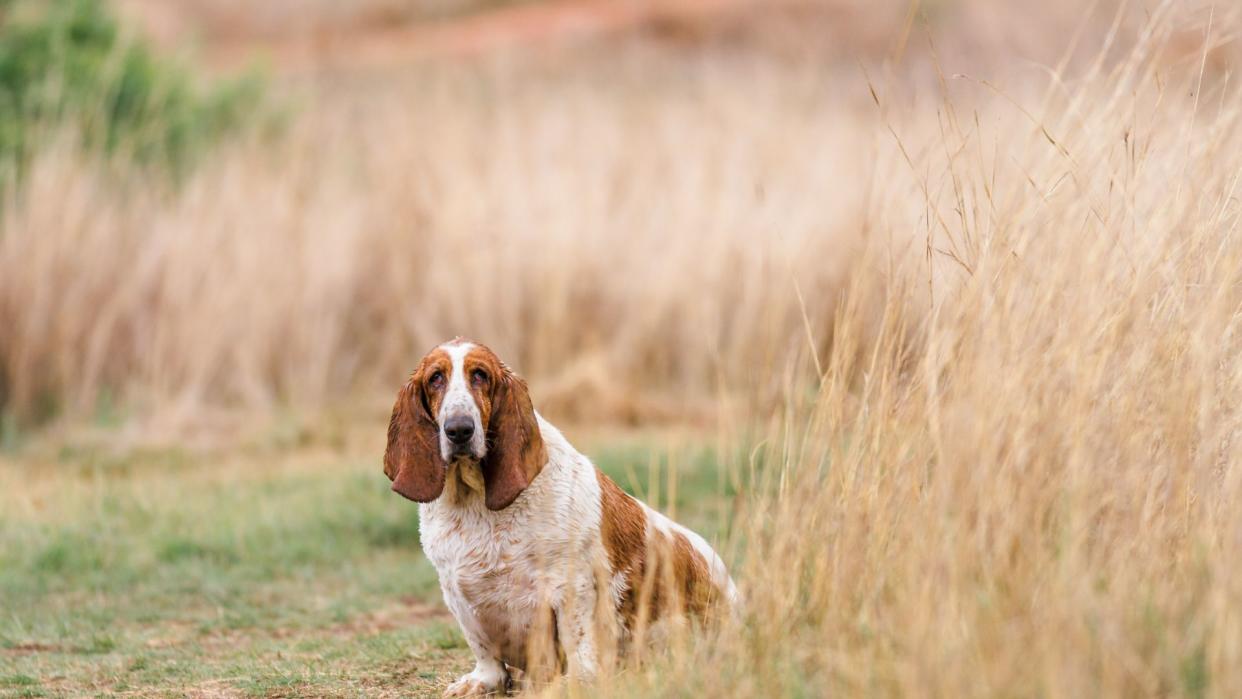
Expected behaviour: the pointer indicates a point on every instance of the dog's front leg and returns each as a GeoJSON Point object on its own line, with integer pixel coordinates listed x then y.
{"type": "Point", "coordinates": [578, 628]}
{"type": "Point", "coordinates": [489, 675]}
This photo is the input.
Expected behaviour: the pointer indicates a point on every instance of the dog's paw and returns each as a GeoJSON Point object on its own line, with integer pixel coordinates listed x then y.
{"type": "Point", "coordinates": [472, 685]}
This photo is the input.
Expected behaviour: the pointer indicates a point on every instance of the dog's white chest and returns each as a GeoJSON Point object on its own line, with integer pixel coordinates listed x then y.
{"type": "Point", "coordinates": [490, 575]}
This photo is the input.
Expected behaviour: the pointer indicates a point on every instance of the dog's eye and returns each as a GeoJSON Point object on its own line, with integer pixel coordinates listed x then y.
{"type": "Point", "coordinates": [479, 376]}
{"type": "Point", "coordinates": [436, 379]}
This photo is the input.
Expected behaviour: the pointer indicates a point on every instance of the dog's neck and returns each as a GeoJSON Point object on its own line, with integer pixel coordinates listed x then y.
{"type": "Point", "coordinates": [464, 481]}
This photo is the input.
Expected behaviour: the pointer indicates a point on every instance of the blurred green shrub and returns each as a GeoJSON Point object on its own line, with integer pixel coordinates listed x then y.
{"type": "Point", "coordinates": [68, 64]}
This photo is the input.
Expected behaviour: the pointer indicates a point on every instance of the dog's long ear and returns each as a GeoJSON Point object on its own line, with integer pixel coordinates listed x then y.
{"type": "Point", "coordinates": [412, 460]}
{"type": "Point", "coordinates": [515, 452]}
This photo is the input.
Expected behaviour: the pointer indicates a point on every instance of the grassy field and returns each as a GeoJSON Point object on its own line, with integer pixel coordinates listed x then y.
{"type": "Point", "coordinates": [278, 572]}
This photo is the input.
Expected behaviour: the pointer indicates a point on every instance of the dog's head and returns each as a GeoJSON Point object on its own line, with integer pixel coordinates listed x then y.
{"type": "Point", "coordinates": [463, 403]}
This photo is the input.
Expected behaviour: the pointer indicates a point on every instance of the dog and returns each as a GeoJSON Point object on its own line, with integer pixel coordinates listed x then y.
{"type": "Point", "coordinates": [536, 549]}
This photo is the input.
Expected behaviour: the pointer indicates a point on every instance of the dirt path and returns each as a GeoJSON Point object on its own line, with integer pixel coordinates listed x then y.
{"type": "Point", "coordinates": [367, 40]}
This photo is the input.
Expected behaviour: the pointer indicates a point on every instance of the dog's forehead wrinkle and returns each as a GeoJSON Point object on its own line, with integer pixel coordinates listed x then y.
{"type": "Point", "coordinates": [431, 359]}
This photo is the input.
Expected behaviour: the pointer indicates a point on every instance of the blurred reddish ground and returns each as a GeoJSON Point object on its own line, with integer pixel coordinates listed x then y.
{"type": "Point", "coordinates": [372, 34]}
{"type": "Point", "coordinates": [295, 36]}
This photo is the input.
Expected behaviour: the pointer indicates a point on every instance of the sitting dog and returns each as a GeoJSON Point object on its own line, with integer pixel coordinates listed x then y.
{"type": "Point", "coordinates": [535, 547]}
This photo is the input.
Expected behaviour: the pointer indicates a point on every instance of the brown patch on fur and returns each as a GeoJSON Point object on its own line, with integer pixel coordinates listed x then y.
{"type": "Point", "coordinates": [515, 450]}
{"type": "Point", "coordinates": [675, 579]}
{"type": "Point", "coordinates": [623, 527]}
{"type": "Point", "coordinates": [663, 573]}
{"type": "Point", "coordinates": [484, 373]}
{"type": "Point", "coordinates": [437, 360]}
{"type": "Point", "coordinates": [412, 458]}
{"type": "Point", "coordinates": [691, 575]}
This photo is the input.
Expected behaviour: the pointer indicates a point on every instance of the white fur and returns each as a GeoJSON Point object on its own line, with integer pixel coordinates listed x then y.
{"type": "Point", "coordinates": [459, 401]}
{"type": "Point", "coordinates": [500, 569]}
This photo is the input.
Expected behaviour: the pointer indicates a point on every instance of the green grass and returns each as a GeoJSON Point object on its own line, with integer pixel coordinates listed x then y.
{"type": "Point", "coordinates": [162, 573]}
{"type": "Point", "coordinates": [71, 63]}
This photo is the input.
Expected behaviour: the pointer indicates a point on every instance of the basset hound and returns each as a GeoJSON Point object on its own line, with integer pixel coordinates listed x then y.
{"type": "Point", "coordinates": [538, 552]}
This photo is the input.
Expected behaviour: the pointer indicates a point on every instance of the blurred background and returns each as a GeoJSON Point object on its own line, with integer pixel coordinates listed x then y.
{"type": "Point", "coordinates": [932, 303]}
{"type": "Point", "coordinates": [217, 210]}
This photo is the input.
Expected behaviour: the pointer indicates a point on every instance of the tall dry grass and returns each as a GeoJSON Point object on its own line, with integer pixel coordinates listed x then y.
{"type": "Point", "coordinates": [618, 246]}
{"type": "Point", "coordinates": [641, 249]}
{"type": "Point", "coordinates": [1032, 488]}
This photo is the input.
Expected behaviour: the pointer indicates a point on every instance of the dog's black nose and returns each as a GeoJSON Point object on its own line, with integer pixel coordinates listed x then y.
{"type": "Point", "coordinates": [459, 429]}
